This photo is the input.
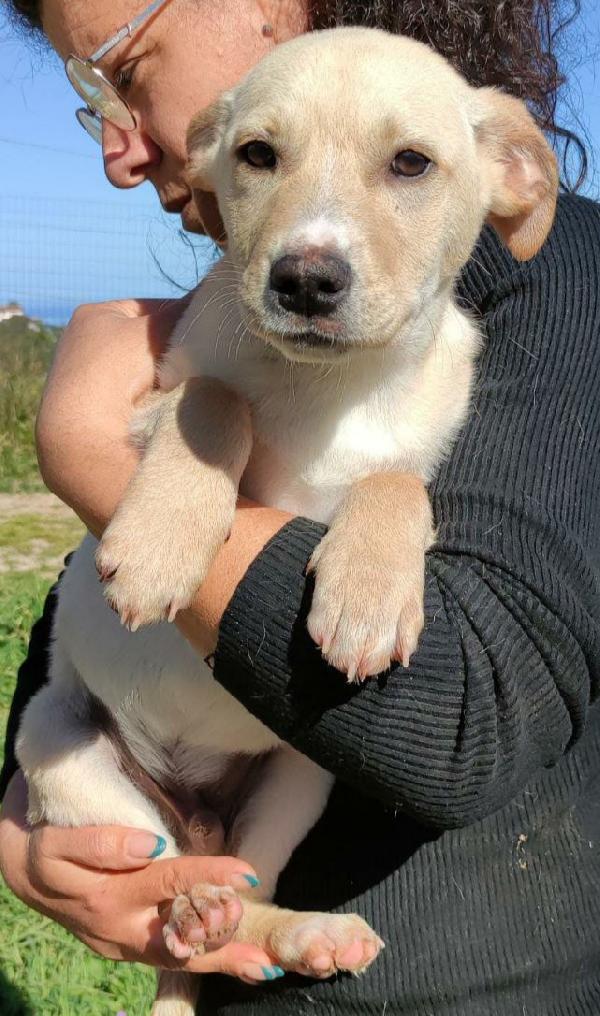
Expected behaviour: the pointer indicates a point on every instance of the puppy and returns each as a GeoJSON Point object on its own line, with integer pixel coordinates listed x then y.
{"type": "Point", "coordinates": [326, 368]}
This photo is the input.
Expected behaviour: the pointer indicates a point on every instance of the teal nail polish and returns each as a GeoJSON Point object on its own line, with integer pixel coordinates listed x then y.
{"type": "Point", "coordinates": [272, 973]}
{"type": "Point", "coordinates": [253, 882]}
{"type": "Point", "coordinates": [161, 844]}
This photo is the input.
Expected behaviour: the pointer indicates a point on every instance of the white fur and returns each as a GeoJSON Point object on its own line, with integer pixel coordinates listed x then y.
{"type": "Point", "coordinates": [320, 231]}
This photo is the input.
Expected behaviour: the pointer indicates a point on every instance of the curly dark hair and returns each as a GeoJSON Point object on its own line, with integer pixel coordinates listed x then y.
{"type": "Point", "coordinates": [513, 44]}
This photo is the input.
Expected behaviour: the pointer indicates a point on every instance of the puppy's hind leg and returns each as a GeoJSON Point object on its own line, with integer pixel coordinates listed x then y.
{"type": "Point", "coordinates": [74, 778]}
{"type": "Point", "coordinates": [71, 766]}
{"type": "Point", "coordinates": [177, 994]}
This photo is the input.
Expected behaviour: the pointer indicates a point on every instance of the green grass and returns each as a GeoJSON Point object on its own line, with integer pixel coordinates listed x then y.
{"type": "Point", "coordinates": [25, 357]}
{"type": "Point", "coordinates": [44, 971]}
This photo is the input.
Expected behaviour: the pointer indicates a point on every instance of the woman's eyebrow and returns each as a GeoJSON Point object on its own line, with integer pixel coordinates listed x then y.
{"type": "Point", "coordinates": [119, 53]}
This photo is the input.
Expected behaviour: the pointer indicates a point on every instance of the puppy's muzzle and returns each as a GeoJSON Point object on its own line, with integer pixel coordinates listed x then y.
{"type": "Point", "coordinates": [312, 284]}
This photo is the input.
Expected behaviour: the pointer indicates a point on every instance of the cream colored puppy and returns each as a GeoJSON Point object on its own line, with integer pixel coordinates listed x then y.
{"type": "Point", "coordinates": [354, 171]}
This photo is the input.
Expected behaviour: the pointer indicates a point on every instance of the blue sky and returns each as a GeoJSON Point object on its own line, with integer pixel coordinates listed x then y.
{"type": "Point", "coordinates": [67, 236]}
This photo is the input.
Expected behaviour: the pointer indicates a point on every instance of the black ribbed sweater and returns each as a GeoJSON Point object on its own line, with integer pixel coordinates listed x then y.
{"type": "Point", "coordinates": [465, 825]}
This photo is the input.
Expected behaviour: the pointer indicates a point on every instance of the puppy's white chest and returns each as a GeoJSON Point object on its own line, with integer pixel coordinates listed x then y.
{"type": "Point", "coordinates": [305, 463]}
{"type": "Point", "coordinates": [319, 429]}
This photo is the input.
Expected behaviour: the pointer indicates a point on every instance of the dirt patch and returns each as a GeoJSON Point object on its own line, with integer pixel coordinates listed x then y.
{"type": "Point", "coordinates": [36, 531]}
{"type": "Point", "coordinates": [43, 503]}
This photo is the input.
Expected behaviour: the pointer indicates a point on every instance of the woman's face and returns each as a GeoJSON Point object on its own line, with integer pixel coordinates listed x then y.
{"type": "Point", "coordinates": [178, 62]}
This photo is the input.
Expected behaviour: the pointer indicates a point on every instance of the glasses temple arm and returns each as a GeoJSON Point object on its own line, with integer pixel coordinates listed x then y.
{"type": "Point", "coordinates": [126, 31]}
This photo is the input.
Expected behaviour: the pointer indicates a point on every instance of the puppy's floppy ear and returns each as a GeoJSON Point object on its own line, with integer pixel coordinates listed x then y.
{"type": "Point", "coordinates": [203, 140]}
{"type": "Point", "coordinates": [520, 172]}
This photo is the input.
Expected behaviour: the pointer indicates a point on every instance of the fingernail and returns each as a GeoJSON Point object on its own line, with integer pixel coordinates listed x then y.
{"type": "Point", "coordinates": [272, 973]}
{"type": "Point", "coordinates": [254, 972]}
{"type": "Point", "coordinates": [243, 881]}
{"type": "Point", "coordinates": [146, 845]}
{"type": "Point", "coordinates": [161, 844]}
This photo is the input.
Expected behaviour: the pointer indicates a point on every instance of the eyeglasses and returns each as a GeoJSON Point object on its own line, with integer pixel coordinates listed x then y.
{"type": "Point", "coordinates": [102, 98]}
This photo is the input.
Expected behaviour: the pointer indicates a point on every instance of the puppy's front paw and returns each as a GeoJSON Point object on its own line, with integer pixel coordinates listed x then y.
{"type": "Point", "coordinates": [151, 567]}
{"type": "Point", "coordinates": [367, 608]}
{"type": "Point", "coordinates": [204, 919]}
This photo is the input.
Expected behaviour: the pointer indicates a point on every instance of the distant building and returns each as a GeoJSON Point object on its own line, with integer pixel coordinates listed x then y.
{"type": "Point", "coordinates": [10, 310]}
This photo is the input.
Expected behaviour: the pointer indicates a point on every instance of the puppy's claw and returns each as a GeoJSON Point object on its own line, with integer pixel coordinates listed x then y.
{"type": "Point", "coordinates": [351, 674]}
{"type": "Point", "coordinates": [105, 574]}
{"type": "Point", "coordinates": [406, 646]}
{"type": "Point", "coordinates": [324, 644]}
{"type": "Point", "coordinates": [174, 607]}
{"type": "Point", "coordinates": [129, 620]}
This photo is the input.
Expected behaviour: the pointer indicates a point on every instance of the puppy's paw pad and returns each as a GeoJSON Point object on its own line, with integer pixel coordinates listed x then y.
{"type": "Point", "coordinates": [220, 911]}
{"type": "Point", "coordinates": [184, 933]}
{"type": "Point", "coordinates": [323, 944]}
{"type": "Point", "coordinates": [206, 918]}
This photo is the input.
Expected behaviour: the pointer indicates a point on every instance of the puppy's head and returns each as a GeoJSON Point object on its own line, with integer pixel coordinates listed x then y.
{"type": "Point", "coordinates": [354, 171]}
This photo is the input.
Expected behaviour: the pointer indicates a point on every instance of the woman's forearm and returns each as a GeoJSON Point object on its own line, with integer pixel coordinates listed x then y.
{"type": "Point", "coordinates": [104, 365]}
{"type": "Point", "coordinates": [253, 527]}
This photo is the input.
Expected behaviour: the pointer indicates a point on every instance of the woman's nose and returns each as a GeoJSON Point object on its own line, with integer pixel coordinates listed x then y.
{"type": "Point", "coordinates": [129, 156]}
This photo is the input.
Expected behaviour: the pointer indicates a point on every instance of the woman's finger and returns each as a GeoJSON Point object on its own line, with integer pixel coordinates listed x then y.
{"type": "Point", "coordinates": [164, 880]}
{"type": "Point", "coordinates": [238, 959]}
{"type": "Point", "coordinates": [104, 848]}
{"type": "Point", "coordinates": [14, 835]}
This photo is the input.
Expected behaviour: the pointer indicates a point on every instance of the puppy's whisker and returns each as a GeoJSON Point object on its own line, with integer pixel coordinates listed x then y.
{"type": "Point", "coordinates": [209, 303]}
{"type": "Point", "coordinates": [245, 333]}
{"type": "Point", "coordinates": [290, 367]}
{"type": "Point", "coordinates": [223, 324]}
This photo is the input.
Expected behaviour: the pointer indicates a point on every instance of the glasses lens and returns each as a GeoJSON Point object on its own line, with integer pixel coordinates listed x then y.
{"type": "Point", "coordinates": [91, 122]}
{"type": "Point", "coordinates": [94, 89]}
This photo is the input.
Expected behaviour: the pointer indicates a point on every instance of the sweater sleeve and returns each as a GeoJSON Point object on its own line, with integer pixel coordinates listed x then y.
{"type": "Point", "coordinates": [509, 662]}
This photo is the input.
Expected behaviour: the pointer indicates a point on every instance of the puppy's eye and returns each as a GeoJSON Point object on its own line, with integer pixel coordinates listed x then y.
{"type": "Point", "coordinates": [258, 154]}
{"type": "Point", "coordinates": [409, 163]}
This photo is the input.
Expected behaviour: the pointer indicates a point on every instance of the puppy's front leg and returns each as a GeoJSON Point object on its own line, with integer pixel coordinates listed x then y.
{"type": "Point", "coordinates": [179, 507]}
{"type": "Point", "coordinates": [367, 607]}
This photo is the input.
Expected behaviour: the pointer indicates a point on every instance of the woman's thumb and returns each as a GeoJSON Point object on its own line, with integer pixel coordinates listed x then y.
{"type": "Point", "coordinates": [109, 848]}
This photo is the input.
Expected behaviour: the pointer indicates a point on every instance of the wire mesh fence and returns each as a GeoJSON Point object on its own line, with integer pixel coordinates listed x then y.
{"type": "Point", "coordinates": [57, 254]}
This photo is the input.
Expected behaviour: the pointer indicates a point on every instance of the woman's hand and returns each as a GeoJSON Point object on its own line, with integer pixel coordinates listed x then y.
{"type": "Point", "coordinates": [101, 884]}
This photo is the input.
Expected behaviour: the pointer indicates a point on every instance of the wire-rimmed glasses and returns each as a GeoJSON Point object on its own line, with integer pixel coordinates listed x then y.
{"type": "Point", "coordinates": [102, 99]}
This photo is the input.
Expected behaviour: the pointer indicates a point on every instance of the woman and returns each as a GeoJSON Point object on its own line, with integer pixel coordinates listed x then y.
{"type": "Point", "coordinates": [448, 830]}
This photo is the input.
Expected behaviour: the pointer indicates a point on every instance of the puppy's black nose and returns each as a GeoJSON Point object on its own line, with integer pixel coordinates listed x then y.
{"type": "Point", "coordinates": [311, 284]}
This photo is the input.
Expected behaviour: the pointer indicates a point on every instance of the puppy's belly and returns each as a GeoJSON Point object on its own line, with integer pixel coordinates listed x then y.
{"type": "Point", "coordinates": [152, 681]}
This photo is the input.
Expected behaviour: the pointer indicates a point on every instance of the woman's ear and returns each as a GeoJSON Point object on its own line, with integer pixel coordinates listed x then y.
{"type": "Point", "coordinates": [203, 140]}
{"type": "Point", "coordinates": [519, 170]}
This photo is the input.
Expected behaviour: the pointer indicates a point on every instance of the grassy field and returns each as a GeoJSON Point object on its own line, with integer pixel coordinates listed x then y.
{"type": "Point", "coordinates": [25, 355]}
{"type": "Point", "coordinates": [44, 971]}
